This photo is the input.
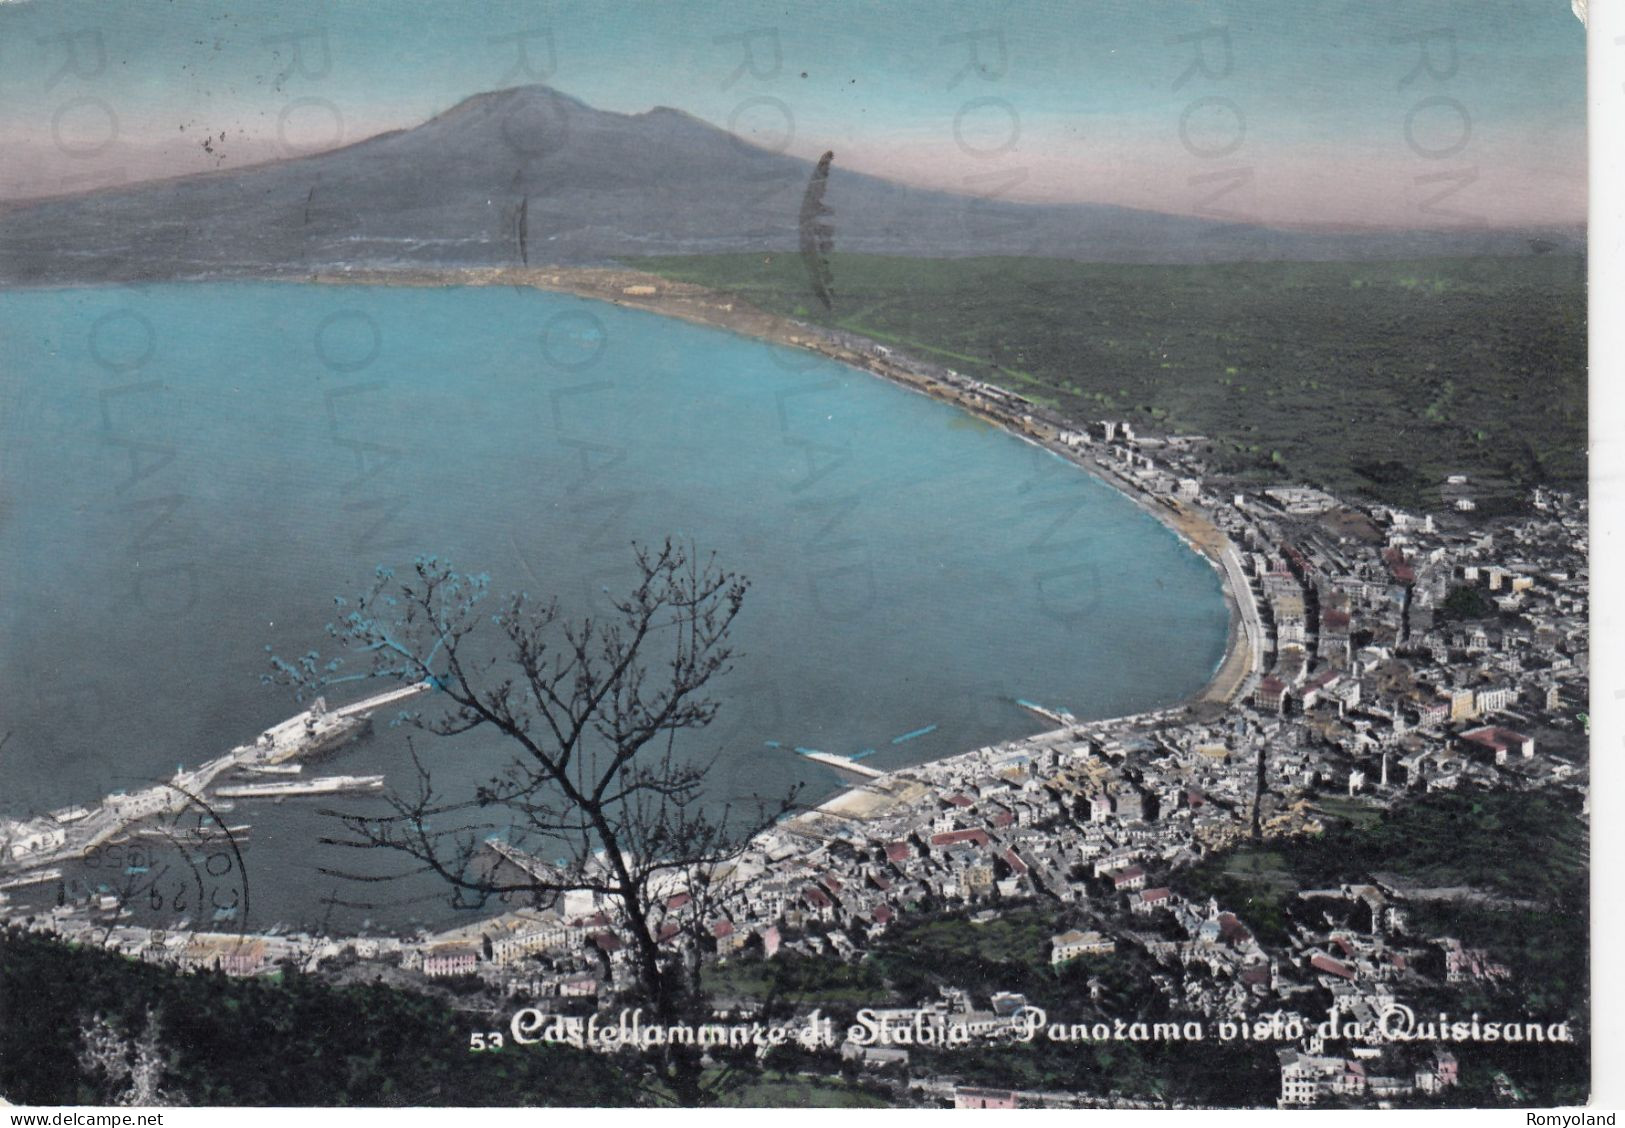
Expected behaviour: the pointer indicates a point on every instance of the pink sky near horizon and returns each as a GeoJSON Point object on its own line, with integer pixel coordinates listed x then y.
{"type": "Point", "coordinates": [1343, 114]}
{"type": "Point", "coordinates": [1372, 187]}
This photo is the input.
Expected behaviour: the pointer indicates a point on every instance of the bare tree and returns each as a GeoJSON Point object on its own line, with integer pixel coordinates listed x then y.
{"type": "Point", "coordinates": [594, 708]}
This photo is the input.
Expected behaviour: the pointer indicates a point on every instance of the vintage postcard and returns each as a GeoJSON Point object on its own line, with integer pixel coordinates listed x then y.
{"type": "Point", "coordinates": [924, 555]}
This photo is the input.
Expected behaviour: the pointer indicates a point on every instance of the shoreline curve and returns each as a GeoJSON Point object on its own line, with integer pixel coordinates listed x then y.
{"type": "Point", "coordinates": [686, 301]}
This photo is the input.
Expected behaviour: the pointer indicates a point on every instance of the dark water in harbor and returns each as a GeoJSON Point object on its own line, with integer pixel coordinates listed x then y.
{"type": "Point", "coordinates": [191, 473]}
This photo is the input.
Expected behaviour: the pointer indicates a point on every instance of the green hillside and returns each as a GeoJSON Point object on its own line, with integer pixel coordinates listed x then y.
{"type": "Point", "coordinates": [293, 1040]}
{"type": "Point", "coordinates": [1376, 379]}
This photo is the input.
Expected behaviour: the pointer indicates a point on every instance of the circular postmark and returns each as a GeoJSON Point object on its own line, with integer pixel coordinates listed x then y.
{"type": "Point", "coordinates": [175, 877]}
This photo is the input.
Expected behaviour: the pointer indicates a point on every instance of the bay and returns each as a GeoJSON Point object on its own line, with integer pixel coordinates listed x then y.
{"type": "Point", "coordinates": [191, 473]}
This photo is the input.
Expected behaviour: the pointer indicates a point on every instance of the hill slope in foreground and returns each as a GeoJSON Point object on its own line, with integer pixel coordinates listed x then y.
{"type": "Point", "coordinates": [531, 176]}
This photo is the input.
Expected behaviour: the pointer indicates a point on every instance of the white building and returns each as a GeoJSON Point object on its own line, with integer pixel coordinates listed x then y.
{"type": "Point", "coordinates": [1070, 945]}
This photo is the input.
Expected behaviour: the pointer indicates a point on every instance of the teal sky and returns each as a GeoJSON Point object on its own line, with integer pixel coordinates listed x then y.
{"type": "Point", "coordinates": [1306, 104]}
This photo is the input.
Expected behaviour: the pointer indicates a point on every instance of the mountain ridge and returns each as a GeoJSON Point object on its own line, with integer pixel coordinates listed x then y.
{"type": "Point", "coordinates": [596, 186]}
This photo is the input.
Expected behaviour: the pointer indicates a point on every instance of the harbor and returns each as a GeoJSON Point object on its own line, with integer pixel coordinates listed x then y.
{"type": "Point", "coordinates": [31, 849]}
{"type": "Point", "coordinates": [1059, 716]}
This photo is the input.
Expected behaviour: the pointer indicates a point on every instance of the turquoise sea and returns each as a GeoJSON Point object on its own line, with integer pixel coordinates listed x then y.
{"type": "Point", "coordinates": [190, 473]}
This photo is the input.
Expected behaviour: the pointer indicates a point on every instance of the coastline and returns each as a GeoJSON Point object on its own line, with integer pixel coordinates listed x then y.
{"type": "Point", "coordinates": [687, 301]}
{"type": "Point", "coordinates": [699, 305]}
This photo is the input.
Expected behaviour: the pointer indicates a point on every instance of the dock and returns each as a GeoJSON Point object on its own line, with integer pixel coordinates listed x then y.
{"type": "Point", "coordinates": [327, 785]}
{"type": "Point", "coordinates": [73, 832]}
{"type": "Point", "coordinates": [387, 698]}
{"type": "Point", "coordinates": [1058, 716]}
{"type": "Point", "coordinates": [841, 763]}
{"type": "Point", "coordinates": [545, 872]}
{"type": "Point", "coordinates": [320, 729]}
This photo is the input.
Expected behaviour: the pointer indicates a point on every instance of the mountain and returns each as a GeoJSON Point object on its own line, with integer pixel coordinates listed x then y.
{"type": "Point", "coordinates": [532, 175]}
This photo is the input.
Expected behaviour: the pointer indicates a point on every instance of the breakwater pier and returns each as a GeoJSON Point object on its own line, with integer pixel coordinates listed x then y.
{"type": "Point", "coordinates": [41, 841]}
{"type": "Point", "coordinates": [327, 785]}
{"type": "Point", "coordinates": [840, 763]}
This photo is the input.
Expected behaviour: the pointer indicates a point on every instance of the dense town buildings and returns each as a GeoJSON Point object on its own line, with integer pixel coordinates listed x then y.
{"type": "Point", "coordinates": [1377, 656]}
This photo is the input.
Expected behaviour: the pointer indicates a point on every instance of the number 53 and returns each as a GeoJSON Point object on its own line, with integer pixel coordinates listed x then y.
{"type": "Point", "coordinates": [478, 1041]}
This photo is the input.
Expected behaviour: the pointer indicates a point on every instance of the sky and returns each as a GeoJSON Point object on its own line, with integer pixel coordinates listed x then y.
{"type": "Point", "coordinates": [1307, 113]}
